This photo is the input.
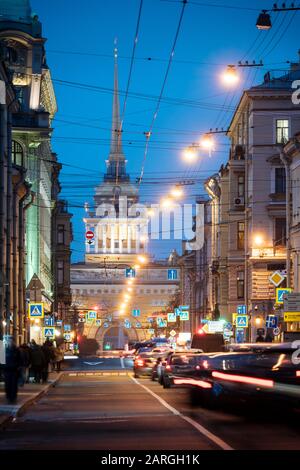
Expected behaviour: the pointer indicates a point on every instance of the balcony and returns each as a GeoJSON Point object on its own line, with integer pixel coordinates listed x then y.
{"type": "Point", "coordinates": [35, 120]}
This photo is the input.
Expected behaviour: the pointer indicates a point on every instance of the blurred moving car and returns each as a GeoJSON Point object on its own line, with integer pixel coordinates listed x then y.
{"type": "Point", "coordinates": [145, 361]}
{"type": "Point", "coordinates": [208, 342]}
{"type": "Point", "coordinates": [179, 362]}
{"type": "Point", "coordinates": [260, 373]}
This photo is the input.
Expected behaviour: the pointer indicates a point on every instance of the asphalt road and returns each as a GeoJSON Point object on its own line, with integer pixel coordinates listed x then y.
{"type": "Point", "coordinates": [99, 405]}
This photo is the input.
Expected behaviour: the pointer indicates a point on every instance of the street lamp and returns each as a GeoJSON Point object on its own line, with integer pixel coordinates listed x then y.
{"type": "Point", "coordinates": [177, 192]}
{"type": "Point", "coordinates": [190, 153]}
{"type": "Point", "coordinates": [166, 202]}
{"type": "Point", "coordinates": [142, 259]}
{"type": "Point", "coordinates": [258, 240]}
{"type": "Point", "coordinates": [264, 21]}
{"type": "Point", "coordinates": [207, 142]}
{"type": "Point", "coordinates": [230, 76]}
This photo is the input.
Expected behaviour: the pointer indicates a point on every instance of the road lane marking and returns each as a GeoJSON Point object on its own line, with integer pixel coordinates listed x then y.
{"type": "Point", "coordinates": [122, 362]}
{"type": "Point", "coordinates": [212, 437]}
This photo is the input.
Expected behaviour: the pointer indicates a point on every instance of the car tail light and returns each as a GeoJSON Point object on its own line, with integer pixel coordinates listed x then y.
{"type": "Point", "coordinates": [298, 373]}
{"type": "Point", "coordinates": [139, 362]}
{"type": "Point", "coordinates": [205, 364]}
{"type": "Point", "coordinates": [244, 379]}
{"type": "Point", "coordinates": [168, 367]}
{"type": "Point", "coordinates": [197, 367]}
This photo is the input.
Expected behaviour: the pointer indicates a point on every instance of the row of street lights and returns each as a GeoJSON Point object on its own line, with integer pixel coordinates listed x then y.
{"type": "Point", "coordinates": [142, 260]}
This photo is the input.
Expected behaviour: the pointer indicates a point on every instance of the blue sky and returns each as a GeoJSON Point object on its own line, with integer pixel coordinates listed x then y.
{"type": "Point", "coordinates": [80, 40]}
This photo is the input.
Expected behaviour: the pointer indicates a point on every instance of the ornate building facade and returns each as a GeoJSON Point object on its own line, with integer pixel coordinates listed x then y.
{"type": "Point", "coordinates": [117, 233]}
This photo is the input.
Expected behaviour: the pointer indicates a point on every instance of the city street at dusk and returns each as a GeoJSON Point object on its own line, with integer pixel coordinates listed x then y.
{"type": "Point", "coordinates": [149, 233]}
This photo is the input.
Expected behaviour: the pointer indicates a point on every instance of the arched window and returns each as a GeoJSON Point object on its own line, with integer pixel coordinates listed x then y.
{"type": "Point", "coordinates": [17, 153]}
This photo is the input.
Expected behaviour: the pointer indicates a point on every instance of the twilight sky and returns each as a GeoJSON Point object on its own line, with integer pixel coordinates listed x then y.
{"type": "Point", "coordinates": [80, 40]}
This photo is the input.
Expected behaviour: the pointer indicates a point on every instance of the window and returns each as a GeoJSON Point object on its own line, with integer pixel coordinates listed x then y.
{"type": "Point", "coordinates": [282, 131]}
{"type": "Point", "coordinates": [241, 236]}
{"type": "Point", "coordinates": [17, 153]}
{"type": "Point", "coordinates": [240, 280]}
{"type": "Point", "coordinates": [60, 272]}
{"type": "Point", "coordinates": [279, 180]}
{"type": "Point", "coordinates": [280, 232]}
{"type": "Point", "coordinates": [241, 186]}
{"type": "Point", "coordinates": [61, 234]}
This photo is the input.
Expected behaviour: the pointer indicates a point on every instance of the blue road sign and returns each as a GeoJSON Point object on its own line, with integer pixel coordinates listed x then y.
{"type": "Point", "coordinates": [68, 337]}
{"type": "Point", "coordinates": [48, 321]}
{"type": "Point", "coordinates": [184, 316]}
{"type": "Point", "coordinates": [36, 310]}
{"type": "Point", "coordinates": [67, 327]}
{"type": "Point", "coordinates": [281, 293]}
{"type": "Point", "coordinates": [136, 312]}
{"type": "Point", "coordinates": [129, 272]}
{"type": "Point", "coordinates": [172, 274]}
{"type": "Point", "coordinates": [241, 321]}
{"type": "Point", "coordinates": [49, 332]}
{"type": "Point", "coordinates": [106, 324]}
{"type": "Point", "coordinates": [271, 321]}
{"type": "Point", "coordinates": [171, 317]}
{"type": "Point", "coordinates": [127, 324]}
{"type": "Point", "coordinates": [58, 322]}
{"type": "Point", "coordinates": [92, 315]}
{"type": "Point", "coordinates": [138, 325]}
{"type": "Point", "coordinates": [240, 335]}
{"type": "Point", "coordinates": [241, 309]}
{"type": "Point", "coordinates": [184, 307]}
{"type": "Point", "coordinates": [162, 324]}
{"type": "Point", "coordinates": [177, 311]}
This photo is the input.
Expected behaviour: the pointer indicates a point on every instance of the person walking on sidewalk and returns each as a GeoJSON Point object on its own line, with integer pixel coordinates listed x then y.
{"type": "Point", "coordinates": [37, 360]}
{"type": "Point", "coordinates": [59, 357]}
{"type": "Point", "coordinates": [11, 370]}
{"type": "Point", "coordinates": [25, 363]}
{"type": "Point", "coordinates": [48, 351]}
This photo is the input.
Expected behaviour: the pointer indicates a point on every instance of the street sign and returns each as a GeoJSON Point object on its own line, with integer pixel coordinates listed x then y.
{"type": "Point", "coordinates": [271, 321]}
{"type": "Point", "coordinates": [281, 293]}
{"type": "Point", "coordinates": [171, 317]}
{"type": "Point", "coordinates": [49, 332]}
{"type": "Point", "coordinates": [291, 316]}
{"type": "Point", "coordinates": [90, 242]}
{"type": "Point", "coordinates": [161, 323]}
{"type": "Point", "coordinates": [81, 320]}
{"type": "Point", "coordinates": [89, 235]}
{"type": "Point", "coordinates": [173, 333]}
{"type": "Point", "coordinates": [291, 303]}
{"type": "Point", "coordinates": [172, 274]}
{"type": "Point", "coordinates": [136, 312]}
{"type": "Point", "coordinates": [36, 310]}
{"type": "Point", "coordinates": [48, 321]}
{"type": "Point", "coordinates": [234, 315]}
{"type": "Point", "coordinates": [129, 272]}
{"type": "Point", "coordinates": [276, 278]}
{"type": "Point", "coordinates": [242, 321]}
{"type": "Point", "coordinates": [276, 331]}
{"type": "Point", "coordinates": [184, 307]}
{"type": "Point", "coordinates": [241, 309]}
{"type": "Point", "coordinates": [151, 331]}
{"type": "Point", "coordinates": [92, 315]}
{"type": "Point", "coordinates": [98, 322]}
{"type": "Point", "coordinates": [177, 311]}
{"type": "Point", "coordinates": [215, 326]}
{"type": "Point", "coordinates": [127, 324]}
{"type": "Point", "coordinates": [150, 320]}
{"type": "Point", "coordinates": [68, 337]}
{"type": "Point", "coordinates": [67, 327]}
{"type": "Point", "coordinates": [58, 322]}
{"type": "Point", "coordinates": [106, 324]}
{"type": "Point", "coordinates": [184, 316]}
{"type": "Point", "coordinates": [138, 324]}
{"type": "Point", "coordinates": [240, 335]}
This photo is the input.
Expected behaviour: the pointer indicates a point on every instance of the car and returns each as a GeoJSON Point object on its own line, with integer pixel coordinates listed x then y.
{"type": "Point", "coordinates": [254, 375]}
{"type": "Point", "coordinates": [184, 361]}
{"type": "Point", "coordinates": [144, 363]}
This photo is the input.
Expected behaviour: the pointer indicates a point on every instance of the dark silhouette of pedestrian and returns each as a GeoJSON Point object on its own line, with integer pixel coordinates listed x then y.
{"type": "Point", "coordinates": [48, 351]}
{"type": "Point", "coordinates": [37, 360]}
{"type": "Point", "coordinates": [260, 339]}
{"type": "Point", "coordinates": [59, 357]}
{"type": "Point", "coordinates": [11, 370]}
{"type": "Point", "coordinates": [25, 363]}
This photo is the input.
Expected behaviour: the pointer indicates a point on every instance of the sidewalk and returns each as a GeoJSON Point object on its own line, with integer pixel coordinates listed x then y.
{"type": "Point", "coordinates": [26, 396]}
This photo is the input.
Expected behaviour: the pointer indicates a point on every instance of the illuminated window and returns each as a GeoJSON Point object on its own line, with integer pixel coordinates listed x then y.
{"type": "Point", "coordinates": [17, 153]}
{"type": "Point", "coordinates": [282, 131]}
{"type": "Point", "coordinates": [241, 236]}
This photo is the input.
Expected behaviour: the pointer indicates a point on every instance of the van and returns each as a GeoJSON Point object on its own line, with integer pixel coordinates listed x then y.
{"type": "Point", "coordinates": [208, 342]}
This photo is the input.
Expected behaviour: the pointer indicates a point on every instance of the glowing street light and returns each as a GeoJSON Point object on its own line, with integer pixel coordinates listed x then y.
{"type": "Point", "coordinates": [190, 153]}
{"type": "Point", "coordinates": [126, 296]}
{"type": "Point", "coordinates": [258, 240]}
{"type": "Point", "coordinates": [230, 76]}
{"type": "Point", "coordinates": [129, 289]}
{"type": "Point", "coordinates": [142, 259]}
{"type": "Point", "coordinates": [150, 212]}
{"type": "Point", "coordinates": [177, 192]}
{"type": "Point", "coordinates": [207, 142]}
{"type": "Point", "coordinates": [166, 203]}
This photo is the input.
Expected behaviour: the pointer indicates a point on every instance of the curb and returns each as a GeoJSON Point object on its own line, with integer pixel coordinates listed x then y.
{"type": "Point", "coordinates": [21, 410]}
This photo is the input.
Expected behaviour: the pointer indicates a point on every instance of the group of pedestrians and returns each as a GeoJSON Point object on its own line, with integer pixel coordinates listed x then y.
{"type": "Point", "coordinates": [29, 360]}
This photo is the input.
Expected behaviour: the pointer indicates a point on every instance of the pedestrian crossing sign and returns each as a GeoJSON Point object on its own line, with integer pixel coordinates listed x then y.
{"type": "Point", "coordinates": [242, 321]}
{"type": "Point", "coordinates": [36, 310]}
{"type": "Point", "coordinates": [281, 293]}
{"type": "Point", "coordinates": [49, 332]}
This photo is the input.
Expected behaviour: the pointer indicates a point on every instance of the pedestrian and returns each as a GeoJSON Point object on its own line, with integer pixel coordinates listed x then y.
{"type": "Point", "coordinates": [59, 357]}
{"type": "Point", "coordinates": [260, 339]}
{"type": "Point", "coordinates": [11, 370]}
{"type": "Point", "coordinates": [25, 364]}
{"type": "Point", "coordinates": [48, 351]}
{"type": "Point", "coordinates": [269, 338]}
{"type": "Point", "coordinates": [37, 360]}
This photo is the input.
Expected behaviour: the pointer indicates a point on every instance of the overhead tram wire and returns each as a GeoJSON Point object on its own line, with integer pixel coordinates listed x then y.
{"type": "Point", "coordinates": [184, 3]}
{"type": "Point", "coordinates": [128, 81]}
